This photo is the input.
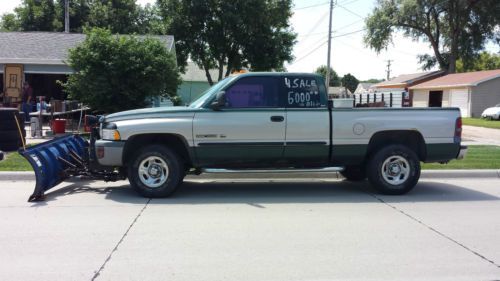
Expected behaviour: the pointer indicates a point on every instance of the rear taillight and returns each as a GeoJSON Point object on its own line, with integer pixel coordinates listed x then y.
{"type": "Point", "coordinates": [458, 130]}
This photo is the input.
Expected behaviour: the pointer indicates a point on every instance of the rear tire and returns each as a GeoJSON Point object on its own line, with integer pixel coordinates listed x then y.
{"type": "Point", "coordinates": [354, 173]}
{"type": "Point", "coordinates": [394, 170]}
{"type": "Point", "coordinates": [155, 171]}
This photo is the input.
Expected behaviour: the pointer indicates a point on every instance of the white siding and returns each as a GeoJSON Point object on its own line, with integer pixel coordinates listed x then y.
{"type": "Point", "coordinates": [420, 98]}
{"type": "Point", "coordinates": [485, 95]}
{"type": "Point", "coordinates": [446, 98]}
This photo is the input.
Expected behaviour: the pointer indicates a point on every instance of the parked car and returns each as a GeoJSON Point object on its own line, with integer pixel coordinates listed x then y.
{"type": "Point", "coordinates": [492, 112]}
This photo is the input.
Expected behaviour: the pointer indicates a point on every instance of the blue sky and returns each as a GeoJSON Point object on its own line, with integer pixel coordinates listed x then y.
{"type": "Point", "coordinates": [349, 54]}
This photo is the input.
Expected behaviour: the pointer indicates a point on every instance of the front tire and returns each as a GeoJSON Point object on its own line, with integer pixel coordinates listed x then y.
{"type": "Point", "coordinates": [394, 170]}
{"type": "Point", "coordinates": [155, 172]}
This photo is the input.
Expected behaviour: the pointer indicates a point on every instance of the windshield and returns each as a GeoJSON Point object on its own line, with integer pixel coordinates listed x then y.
{"type": "Point", "coordinates": [210, 92]}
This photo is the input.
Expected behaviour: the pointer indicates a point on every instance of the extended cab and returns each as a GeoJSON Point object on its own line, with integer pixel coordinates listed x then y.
{"type": "Point", "coordinates": [276, 121]}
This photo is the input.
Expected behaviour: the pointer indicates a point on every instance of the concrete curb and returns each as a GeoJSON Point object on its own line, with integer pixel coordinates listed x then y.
{"type": "Point", "coordinates": [17, 176]}
{"type": "Point", "coordinates": [426, 174]}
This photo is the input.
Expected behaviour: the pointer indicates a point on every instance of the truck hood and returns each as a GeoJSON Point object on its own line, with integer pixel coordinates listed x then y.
{"type": "Point", "coordinates": [158, 112]}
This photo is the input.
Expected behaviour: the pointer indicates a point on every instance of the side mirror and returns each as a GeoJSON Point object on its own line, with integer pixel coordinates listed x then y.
{"type": "Point", "coordinates": [220, 101]}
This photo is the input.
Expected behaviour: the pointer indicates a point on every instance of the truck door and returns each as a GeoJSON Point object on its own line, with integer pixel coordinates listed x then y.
{"type": "Point", "coordinates": [308, 121]}
{"type": "Point", "coordinates": [249, 131]}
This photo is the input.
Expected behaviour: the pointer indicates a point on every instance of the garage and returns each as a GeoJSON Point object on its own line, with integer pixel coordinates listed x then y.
{"type": "Point", "coordinates": [460, 98]}
{"type": "Point", "coordinates": [472, 92]}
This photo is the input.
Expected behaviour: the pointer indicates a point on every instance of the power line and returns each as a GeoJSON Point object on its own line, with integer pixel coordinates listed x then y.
{"type": "Point", "coordinates": [349, 33]}
{"type": "Point", "coordinates": [354, 13]}
{"type": "Point", "coordinates": [307, 48]}
{"type": "Point", "coordinates": [312, 51]}
{"type": "Point", "coordinates": [334, 31]}
{"type": "Point", "coordinates": [311, 6]}
{"type": "Point", "coordinates": [359, 50]}
{"type": "Point", "coordinates": [348, 2]}
{"type": "Point", "coordinates": [337, 36]}
{"type": "Point", "coordinates": [315, 26]}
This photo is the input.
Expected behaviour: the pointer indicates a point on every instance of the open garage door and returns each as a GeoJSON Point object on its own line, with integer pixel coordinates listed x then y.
{"type": "Point", "coordinates": [460, 98]}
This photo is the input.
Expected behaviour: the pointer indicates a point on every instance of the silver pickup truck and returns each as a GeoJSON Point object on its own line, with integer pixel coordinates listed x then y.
{"type": "Point", "coordinates": [276, 121]}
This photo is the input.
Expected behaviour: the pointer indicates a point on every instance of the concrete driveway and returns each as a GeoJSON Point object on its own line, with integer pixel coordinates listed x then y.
{"type": "Point", "coordinates": [295, 229]}
{"type": "Point", "coordinates": [473, 135]}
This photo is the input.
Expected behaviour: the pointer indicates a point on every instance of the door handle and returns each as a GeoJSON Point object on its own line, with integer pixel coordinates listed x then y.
{"type": "Point", "coordinates": [277, 118]}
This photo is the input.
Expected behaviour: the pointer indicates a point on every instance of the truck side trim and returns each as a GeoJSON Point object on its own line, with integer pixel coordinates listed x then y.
{"type": "Point", "coordinates": [241, 144]}
{"type": "Point", "coordinates": [438, 152]}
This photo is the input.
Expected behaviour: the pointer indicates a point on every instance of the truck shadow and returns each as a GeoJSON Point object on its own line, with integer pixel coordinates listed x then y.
{"type": "Point", "coordinates": [265, 192]}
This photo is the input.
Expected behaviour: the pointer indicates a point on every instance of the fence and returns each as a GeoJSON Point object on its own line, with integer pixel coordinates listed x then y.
{"type": "Point", "coordinates": [388, 98]}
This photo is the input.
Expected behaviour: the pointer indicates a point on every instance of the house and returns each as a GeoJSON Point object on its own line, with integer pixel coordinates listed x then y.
{"type": "Point", "coordinates": [364, 88]}
{"type": "Point", "coordinates": [472, 92]}
{"type": "Point", "coordinates": [402, 84]}
{"type": "Point", "coordinates": [338, 92]}
{"type": "Point", "coordinates": [40, 58]}
{"type": "Point", "coordinates": [195, 82]}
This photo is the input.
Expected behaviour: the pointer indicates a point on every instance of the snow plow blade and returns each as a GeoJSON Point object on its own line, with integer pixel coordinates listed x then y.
{"type": "Point", "coordinates": [56, 160]}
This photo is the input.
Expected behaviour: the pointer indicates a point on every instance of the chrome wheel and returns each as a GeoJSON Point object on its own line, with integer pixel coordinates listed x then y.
{"type": "Point", "coordinates": [153, 171]}
{"type": "Point", "coordinates": [395, 170]}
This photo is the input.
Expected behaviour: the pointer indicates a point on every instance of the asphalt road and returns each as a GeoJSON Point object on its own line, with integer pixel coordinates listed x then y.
{"type": "Point", "coordinates": [255, 230]}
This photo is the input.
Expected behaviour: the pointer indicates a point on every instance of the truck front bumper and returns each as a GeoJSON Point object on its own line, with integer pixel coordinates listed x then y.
{"type": "Point", "coordinates": [109, 153]}
{"type": "Point", "coordinates": [462, 152]}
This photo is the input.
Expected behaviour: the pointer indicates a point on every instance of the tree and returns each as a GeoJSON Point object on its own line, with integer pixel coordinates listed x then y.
{"type": "Point", "coordinates": [350, 82]}
{"type": "Point", "coordinates": [334, 78]}
{"type": "Point", "coordinates": [253, 34]}
{"type": "Point", "coordinates": [79, 11]}
{"type": "Point", "coordinates": [372, 80]}
{"type": "Point", "coordinates": [37, 15]}
{"type": "Point", "coordinates": [454, 29]}
{"type": "Point", "coordinates": [483, 61]}
{"type": "Point", "coordinates": [118, 16]}
{"type": "Point", "coordinates": [150, 21]}
{"type": "Point", "coordinates": [122, 17]}
{"type": "Point", "coordinates": [10, 22]}
{"type": "Point", "coordinates": [115, 73]}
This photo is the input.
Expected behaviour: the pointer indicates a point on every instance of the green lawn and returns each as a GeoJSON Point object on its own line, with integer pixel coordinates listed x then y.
{"type": "Point", "coordinates": [478, 157]}
{"type": "Point", "coordinates": [15, 162]}
{"type": "Point", "coordinates": [495, 124]}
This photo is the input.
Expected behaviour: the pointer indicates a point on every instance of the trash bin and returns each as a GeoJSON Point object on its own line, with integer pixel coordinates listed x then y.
{"type": "Point", "coordinates": [59, 126]}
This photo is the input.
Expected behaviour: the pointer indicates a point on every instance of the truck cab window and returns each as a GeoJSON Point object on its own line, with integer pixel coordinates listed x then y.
{"type": "Point", "coordinates": [253, 92]}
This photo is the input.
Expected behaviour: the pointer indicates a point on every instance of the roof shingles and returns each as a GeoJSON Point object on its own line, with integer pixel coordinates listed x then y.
{"type": "Point", "coordinates": [45, 47]}
{"type": "Point", "coordinates": [467, 79]}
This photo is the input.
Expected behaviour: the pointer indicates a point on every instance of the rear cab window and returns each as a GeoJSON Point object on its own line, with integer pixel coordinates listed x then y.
{"type": "Point", "coordinates": [254, 92]}
{"type": "Point", "coordinates": [304, 91]}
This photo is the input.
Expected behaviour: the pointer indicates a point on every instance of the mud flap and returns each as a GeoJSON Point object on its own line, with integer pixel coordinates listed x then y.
{"type": "Point", "coordinates": [56, 160]}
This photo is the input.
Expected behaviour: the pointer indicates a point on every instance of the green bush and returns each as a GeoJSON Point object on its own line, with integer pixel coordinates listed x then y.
{"type": "Point", "coordinates": [119, 72]}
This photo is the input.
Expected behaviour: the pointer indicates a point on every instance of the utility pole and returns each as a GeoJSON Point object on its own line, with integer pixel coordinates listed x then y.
{"type": "Point", "coordinates": [329, 48]}
{"type": "Point", "coordinates": [388, 69]}
{"type": "Point", "coordinates": [66, 16]}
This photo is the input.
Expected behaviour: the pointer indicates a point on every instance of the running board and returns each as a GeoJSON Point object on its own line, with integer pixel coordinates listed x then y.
{"type": "Point", "coordinates": [247, 171]}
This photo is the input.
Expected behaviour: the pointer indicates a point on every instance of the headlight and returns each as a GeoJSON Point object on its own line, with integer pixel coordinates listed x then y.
{"type": "Point", "coordinates": [110, 134]}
